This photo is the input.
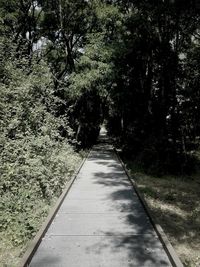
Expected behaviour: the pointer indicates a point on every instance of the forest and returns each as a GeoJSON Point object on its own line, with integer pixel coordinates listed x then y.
{"type": "Point", "coordinates": [67, 67]}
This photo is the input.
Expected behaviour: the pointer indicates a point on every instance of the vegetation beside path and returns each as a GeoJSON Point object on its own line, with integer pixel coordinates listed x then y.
{"type": "Point", "coordinates": [174, 201]}
{"type": "Point", "coordinates": [65, 66]}
{"type": "Point", "coordinates": [36, 161]}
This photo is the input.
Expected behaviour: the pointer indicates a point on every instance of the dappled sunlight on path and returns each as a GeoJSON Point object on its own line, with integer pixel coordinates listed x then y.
{"type": "Point", "coordinates": [101, 221]}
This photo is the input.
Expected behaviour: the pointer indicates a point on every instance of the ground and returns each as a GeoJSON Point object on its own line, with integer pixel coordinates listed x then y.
{"type": "Point", "coordinates": [174, 201]}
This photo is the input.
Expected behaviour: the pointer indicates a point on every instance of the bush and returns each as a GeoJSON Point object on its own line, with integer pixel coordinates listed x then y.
{"type": "Point", "coordinates": [35, 160]}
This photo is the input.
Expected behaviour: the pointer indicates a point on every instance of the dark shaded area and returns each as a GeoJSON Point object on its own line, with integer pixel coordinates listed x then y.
{"type": "Point", "coordinates": [155, 115]}
{"type": "Point", "coordinates": [86, 118]}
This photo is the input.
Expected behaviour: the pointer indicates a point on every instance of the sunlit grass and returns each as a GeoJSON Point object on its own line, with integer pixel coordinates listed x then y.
{"type": "Point", "coordinates": [174, 201]}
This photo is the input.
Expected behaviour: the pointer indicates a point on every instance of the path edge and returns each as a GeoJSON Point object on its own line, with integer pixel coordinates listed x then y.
{"type": "Point", "coordinates": [34, 244]}
{"type": "Point", "coordinates": [171, 253]}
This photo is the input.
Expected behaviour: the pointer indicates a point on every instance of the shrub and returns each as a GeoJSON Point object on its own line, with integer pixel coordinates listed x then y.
{"type": "Point", "coordinates": [35, 160]}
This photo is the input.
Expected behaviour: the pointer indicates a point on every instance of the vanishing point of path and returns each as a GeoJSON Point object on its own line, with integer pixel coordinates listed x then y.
{"type": "Point", "coordinates": [101, 222]}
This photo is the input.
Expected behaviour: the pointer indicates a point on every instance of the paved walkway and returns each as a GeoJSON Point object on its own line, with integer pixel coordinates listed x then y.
{"type": "Point", "coordinates": [101, 222]}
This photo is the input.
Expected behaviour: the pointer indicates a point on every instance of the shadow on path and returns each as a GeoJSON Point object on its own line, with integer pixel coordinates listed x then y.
{"type": "Point", "coordinates": [103, 223]}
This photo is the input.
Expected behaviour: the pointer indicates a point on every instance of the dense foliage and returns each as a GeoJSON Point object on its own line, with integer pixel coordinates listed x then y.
{"type": "Point", "coordinates": [36, 161]}
{"type": "Point", "coordinates": [155, 114]}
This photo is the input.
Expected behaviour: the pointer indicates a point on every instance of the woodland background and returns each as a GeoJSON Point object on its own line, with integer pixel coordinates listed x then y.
{"type": "Point", "coordinates": [68, 66]}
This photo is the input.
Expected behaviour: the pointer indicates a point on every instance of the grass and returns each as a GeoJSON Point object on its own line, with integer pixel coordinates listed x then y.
{"type": "Point", "coordinates": [174, 201]}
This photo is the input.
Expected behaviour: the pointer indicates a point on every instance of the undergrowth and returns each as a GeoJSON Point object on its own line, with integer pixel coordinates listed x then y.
{"type": "Point", "coordinates": [36, 161]}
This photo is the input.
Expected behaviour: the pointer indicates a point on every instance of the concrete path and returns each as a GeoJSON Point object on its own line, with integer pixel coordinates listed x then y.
{"type": "Point", "coordinates": [101, 222]}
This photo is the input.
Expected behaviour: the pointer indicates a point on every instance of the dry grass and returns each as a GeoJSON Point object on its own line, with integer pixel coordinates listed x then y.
{"type": "Point", "coordinates": [174, 201]}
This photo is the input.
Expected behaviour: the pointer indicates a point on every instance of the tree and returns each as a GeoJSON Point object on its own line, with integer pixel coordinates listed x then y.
{"type": "Point", "coordinates": [149, 79]}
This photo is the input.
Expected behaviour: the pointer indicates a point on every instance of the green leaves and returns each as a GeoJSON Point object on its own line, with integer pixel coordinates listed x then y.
{"type": "Point", "coordinates": [36, 161]}
{"type": "Point", "coordinates": [94, 68]}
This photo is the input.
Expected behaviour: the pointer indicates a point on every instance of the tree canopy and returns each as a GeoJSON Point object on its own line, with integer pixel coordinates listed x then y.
{"type": "Point", "coordinates": [132, 63]}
